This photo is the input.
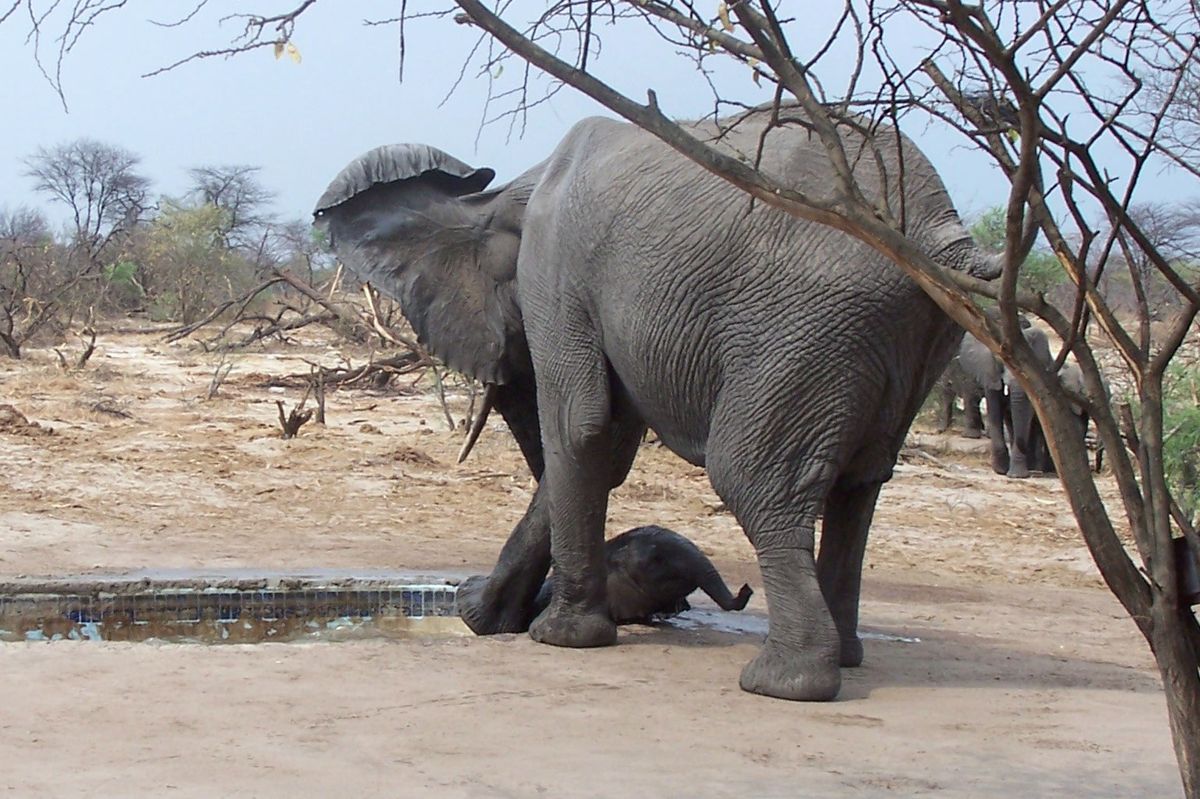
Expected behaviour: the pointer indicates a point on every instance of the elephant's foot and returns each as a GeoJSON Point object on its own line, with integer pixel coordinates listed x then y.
{"type": "Point", "coordinates": [487, 614]}
{"type": "Point", "coordinates": [1018, 472]}
{"type": "Point", "coordinates": [852, 652]}
{"type": "Point", "coordinates": [1000, 463]}
{"type": "Point", "coordinates": [788, 674]}
{"type": "Point", "coordinates": [972, 433]}
{"type": "Point", "coordinates": [559, 626]}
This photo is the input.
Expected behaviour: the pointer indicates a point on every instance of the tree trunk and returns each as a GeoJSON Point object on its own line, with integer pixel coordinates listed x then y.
{"type": "Point", "coordinates": [1180, 673]}
{"type": "Point", "coordinates": [10, 346]}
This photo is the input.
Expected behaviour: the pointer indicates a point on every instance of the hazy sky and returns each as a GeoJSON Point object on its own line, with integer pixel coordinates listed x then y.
{"type": "Point", "coordinates": [303, 122]}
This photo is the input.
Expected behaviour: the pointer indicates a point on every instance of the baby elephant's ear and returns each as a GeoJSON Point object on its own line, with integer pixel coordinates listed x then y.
{"type": "Point", "coordinates": [416, 223]}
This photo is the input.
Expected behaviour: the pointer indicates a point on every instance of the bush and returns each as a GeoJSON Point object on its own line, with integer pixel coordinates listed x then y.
{"type": "Point", "coordinates": [1041, 271]}
{"type": "Point", "coordinates": [1181, 435]}
{"type": "Point", "coordinates": [186, 268]}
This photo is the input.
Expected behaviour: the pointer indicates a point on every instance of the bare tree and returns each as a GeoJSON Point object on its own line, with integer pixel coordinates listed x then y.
{"type": "Point", "coordinates": [241, 196]}
{"type": "Point", "coordinates": [1009, 78]}
{"type": "Point", "coordinates": [100, 186]}
{"type": "Point", "coordinates": [299, 248]}
{"type": "Point", "coordinates": [1175, 230]}
{"type": "Point", "coordinates": [29, 290]}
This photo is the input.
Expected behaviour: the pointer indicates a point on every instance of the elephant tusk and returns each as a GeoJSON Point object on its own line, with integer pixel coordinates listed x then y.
{"type": "Point", "coordinates": [489, 399]}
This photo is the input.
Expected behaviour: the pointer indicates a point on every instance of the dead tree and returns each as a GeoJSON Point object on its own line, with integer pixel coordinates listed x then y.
{"type": "Point", "coordinates": [1008, 78]}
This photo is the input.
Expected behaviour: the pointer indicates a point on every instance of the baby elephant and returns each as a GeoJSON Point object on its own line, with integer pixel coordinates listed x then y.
{"type": "Point", "coordinates": [651, 571]}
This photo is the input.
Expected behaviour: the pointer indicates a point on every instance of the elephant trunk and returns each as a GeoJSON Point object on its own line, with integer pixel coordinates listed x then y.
{"type": "Point", "coordinates": [997, 411]}
{"type": "Point", "coordinates": [988, 265]}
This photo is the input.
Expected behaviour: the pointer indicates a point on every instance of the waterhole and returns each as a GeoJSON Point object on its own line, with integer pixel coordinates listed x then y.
{"type": "Point", "coordinates": [228, 608]}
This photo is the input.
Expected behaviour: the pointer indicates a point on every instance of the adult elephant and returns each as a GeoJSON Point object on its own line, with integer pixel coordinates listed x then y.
{"type": "Point", "coordinates": [618, 285]}
{"type": "Point", "coordinates": [1009, 409]}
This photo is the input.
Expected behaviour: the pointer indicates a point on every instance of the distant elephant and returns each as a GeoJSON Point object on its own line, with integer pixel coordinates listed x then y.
{"type": "Point", "coordinates": [1009, 408]}
{"type": "Point", "coordinates": [955, 383]}
{"type": "Point", "coordinates": [968, 384]}
{"type": "Point", "coordinates": [651, 572]}
{"type": "Point", "coordinates": [619, 284]}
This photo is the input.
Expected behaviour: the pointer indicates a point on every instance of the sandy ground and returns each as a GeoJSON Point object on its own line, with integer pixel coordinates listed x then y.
{"type": "Point", "coordinates": [997, 664]}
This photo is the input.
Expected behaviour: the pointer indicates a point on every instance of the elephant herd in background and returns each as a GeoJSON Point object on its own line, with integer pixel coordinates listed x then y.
{"type": "Point", "coordinates": [1018, 445]}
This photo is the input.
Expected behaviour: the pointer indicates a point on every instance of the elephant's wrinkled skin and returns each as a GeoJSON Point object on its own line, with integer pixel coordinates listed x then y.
{"type": "Point", "coordinates": [618, 285]}
{"type": "Point", "coordinates": [651, 572]}
{"type": "Point", "coordinates": [1009, 407]}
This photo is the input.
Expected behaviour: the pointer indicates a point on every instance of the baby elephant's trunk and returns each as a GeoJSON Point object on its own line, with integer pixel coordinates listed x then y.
{"type": "Point", "coordinates": [712, 584]}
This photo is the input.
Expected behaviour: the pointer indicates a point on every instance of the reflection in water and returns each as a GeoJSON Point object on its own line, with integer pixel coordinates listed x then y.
{"type": "Point", "coordinates": [753, 624]}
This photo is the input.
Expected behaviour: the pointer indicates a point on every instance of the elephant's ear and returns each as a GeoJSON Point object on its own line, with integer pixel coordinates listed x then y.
{"type": "Point", "coordinates": [415, 222]}
{"type": "Point", "coordinates": [394, 162]}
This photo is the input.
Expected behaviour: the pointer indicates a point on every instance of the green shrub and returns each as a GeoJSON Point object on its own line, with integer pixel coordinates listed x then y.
{"type": "Point", "coordinates": [1181, 435]}
{"type": "Point", "coordinates": [1041, 271]}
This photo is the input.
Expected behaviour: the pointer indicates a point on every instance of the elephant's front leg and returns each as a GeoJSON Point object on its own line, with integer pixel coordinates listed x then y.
{"type": "Point", "coordinates": [946, 406]}
{"type": "Point", "coordinates": [503, 602]}
{"type": "Point", "coordinates": [973, 423]}
{"type": "Point", "coordinates": [1024, 433]}
{"type": "Point", "coordinates": [996, 410]}
{"type": "Point", "coordinates": [577, 434]}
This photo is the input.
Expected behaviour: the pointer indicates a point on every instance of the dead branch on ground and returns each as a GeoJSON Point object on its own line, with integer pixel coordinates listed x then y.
{"type": "Point", "coordinates": [242, 302]}
{"type": "Point", "coordinates": [373, 372]}
{"type": "Point", "coordinates": [296, 418]}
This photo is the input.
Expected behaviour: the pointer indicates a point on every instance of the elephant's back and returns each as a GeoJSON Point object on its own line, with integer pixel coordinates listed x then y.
{"type": "Point", "coordinates": [652, 236]}
{"type": "Point", "coordinates": [689, 281]}
{"type": "Point", "coordinates": [627, 197]}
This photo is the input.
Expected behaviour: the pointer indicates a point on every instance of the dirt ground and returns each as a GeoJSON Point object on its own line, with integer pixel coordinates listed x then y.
{"type": "Point", "coordinates": [997, 663]}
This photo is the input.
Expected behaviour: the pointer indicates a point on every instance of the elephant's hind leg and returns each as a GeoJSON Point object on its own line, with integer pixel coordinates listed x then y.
{"type": "Point", "coordinates": [777, 507]}
{"type": "Point", "coordinates": [847, 520]}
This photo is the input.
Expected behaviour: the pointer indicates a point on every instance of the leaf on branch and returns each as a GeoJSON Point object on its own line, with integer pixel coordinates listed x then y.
{"type": "Point", "coordinates": [293, 53]}
{"type": "Point", "coordinates": [278, 50]}
{"type": "Point", "coordinates": [723, 13]}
